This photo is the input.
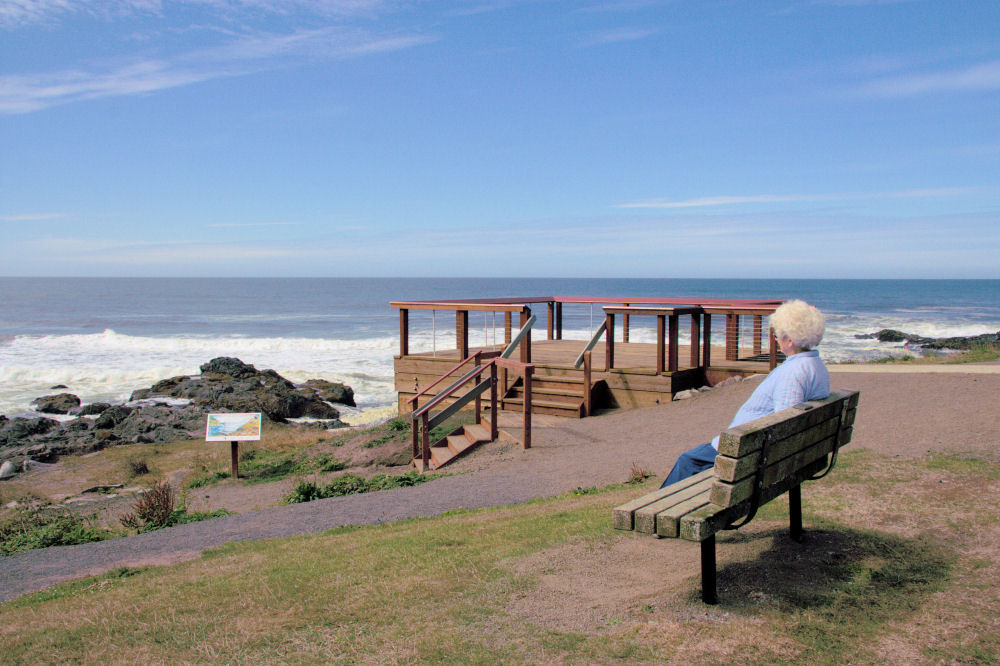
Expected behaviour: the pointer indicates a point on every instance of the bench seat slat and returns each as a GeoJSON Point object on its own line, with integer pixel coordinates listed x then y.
{"type": "Point", "coordinates": [622, 517]}
{"type": "Point", "coordinates": [668, 522]}
{"type": "Point", "coordinates": [645, 519]}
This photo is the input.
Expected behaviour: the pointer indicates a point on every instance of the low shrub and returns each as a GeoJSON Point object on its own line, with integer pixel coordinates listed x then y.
{"type": "Point", "coordinates": [152, 510]}
{"type": "Point", "coordinates": [352, 484]}
{"type": "Point", "coordinates": [41, 528]}
{"type": "Point", "coordinates": [155, 510]}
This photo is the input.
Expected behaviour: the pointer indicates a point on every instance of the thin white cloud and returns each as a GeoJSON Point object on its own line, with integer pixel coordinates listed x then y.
{"type": "Point", "coordinates": [229, 225]}
{"type": "Point", "coordinates": [983, 77]}
{"type": "Point", "coordinates": [704, 202]}
{"type": "Point", "coordinates": [110, 251]}
{"type": "Point", "coordinates": [32, 217]}
{"type": "Point", "coordinates": [19, 13]}
{"type": "Point", "coordinates": [617, 36]}
{"type": "Point", "coordinates": [26, 93]}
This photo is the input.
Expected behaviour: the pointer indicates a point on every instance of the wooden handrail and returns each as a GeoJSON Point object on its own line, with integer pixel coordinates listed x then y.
{"type": "Point", "coordinates": [445, 375]}
{"type": "Point", "coordinates": [519, 337]}
{"type": "Point", "coordinates": [451, 389]}
{"type": "Point", "coordinates": [593, 343]}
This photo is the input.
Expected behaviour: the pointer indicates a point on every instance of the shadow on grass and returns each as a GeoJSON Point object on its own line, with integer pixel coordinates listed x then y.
{"type": "Point", "coordinates": [836, 587]}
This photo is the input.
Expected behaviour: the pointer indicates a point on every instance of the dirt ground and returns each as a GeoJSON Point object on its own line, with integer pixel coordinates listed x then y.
{"type": "Point", "coordinates": [904, 416]}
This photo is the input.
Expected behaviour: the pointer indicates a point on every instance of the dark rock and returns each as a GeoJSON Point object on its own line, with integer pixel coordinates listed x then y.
{"type": "Point", "coordinates": [910, 339]}
{"type": "Point", "coordinates": [332, 391]}
{"type": "Point", "coordinates": [226, 365]}
{"type": "Point", "coordinates": [93, 408]}
{"type": "Point", "coordinates": [160, 423]}
{"type": "Point", "coordinates": [60, 403]}
{"type": "Point", "coordinates": [15, 431]}
{"type": "Point", "coordinates": [226, 384]}
{"type": "Point", "coordinates": [318, 409]}
{"type": "Point", "coordinates": [140, 394]}
{"type": "Point", "coordinates": [57, 387]}
{"type": "Point", "coordinates": [112, 416]}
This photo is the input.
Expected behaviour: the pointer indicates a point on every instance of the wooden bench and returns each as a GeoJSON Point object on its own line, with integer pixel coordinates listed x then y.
{"type": "Point", "coordinates": [757, 462]}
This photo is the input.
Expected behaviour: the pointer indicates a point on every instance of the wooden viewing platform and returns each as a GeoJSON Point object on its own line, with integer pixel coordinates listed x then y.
{"type": "Point", "coordinates": [615, 371]}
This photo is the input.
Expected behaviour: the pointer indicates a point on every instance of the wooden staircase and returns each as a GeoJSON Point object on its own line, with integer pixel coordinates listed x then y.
{"type": "Point", "coordinates": [460, 441]}
{"type": "Point", "coordinates": [550, 394]}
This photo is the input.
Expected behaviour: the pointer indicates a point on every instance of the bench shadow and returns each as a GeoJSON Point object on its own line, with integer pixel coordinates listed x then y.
{"type": "Point", "coordinates": [840, 570]}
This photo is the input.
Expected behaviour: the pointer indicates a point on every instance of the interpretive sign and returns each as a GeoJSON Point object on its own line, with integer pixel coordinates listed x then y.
{"type": "Point", "coordinates": [233, 427]}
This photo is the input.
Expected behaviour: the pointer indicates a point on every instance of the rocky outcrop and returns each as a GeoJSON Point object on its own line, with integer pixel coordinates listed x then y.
{"type": "Point", "coordinates": [959, 343]}
{"type": "Point", "coordinates": [171, 410]}
{"type": "Point", "coordinates": [331, 391]}
{"type": "Point", "coordinates": [228, 384]}
{"type": "Point", "coordinates": [60, 403]}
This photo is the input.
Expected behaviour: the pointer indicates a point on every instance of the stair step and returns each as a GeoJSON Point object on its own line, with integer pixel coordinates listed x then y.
{"type": "Point", "coordinates": [458, 444]}
{"type": "Point", "coordinates": [553, 379]}
{"type": "Point", "coordinates": [477, 433]}
{"type": "Point", "coordinates": [539, 396]}
{"type": "Point", "coordinates": [452, 446]}
{"type": "Point", "coordinates": [549, 406]}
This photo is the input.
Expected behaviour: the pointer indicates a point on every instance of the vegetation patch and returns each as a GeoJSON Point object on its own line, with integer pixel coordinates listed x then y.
{"type": "Point", "coordinates": [352, 484]}
{"type": "Point", "coordinates": [155, 509]}
{"type": "Point", "coordinates": [48, 526]}
{"type": "Point", "coordinates": [263, 466]}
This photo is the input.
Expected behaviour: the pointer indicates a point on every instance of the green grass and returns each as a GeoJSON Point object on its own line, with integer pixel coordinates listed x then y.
{"type": "Point", "coordinates": [352, 484]}
{"type": "Point", "coordinates": [445, 590]}
{"type": "Point", "coordinates": [45, 527]}
{"type": "Point", "coordinates": [263, 466]}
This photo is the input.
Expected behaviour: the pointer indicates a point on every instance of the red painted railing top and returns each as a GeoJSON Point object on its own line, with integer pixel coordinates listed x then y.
{"type": "Point", "coordinates": [458, 304]}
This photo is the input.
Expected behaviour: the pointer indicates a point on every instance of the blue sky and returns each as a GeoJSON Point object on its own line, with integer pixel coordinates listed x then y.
{"type": "Point", "coordinates": [630, 138]}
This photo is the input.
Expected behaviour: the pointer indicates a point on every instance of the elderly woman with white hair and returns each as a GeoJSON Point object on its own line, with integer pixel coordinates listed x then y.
{"type": "Point", "coordinates": [798, 328]}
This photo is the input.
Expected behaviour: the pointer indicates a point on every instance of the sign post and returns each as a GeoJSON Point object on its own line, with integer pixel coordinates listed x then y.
{"type": "Point", "coordinates": [233, 428]}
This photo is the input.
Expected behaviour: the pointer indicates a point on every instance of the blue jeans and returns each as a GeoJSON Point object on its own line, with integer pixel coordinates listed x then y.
{"type": "Point", "coordinates": [691, 462]}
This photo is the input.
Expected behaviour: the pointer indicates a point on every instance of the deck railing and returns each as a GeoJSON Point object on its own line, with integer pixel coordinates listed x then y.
{"type": "Point", "coordinates": [420, 417]}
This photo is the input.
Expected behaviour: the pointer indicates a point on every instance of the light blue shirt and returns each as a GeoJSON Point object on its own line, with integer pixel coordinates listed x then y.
{"type": "Point", "coordinates": [801, 377]}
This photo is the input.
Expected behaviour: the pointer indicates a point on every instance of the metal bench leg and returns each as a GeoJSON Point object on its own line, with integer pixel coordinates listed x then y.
{"type": "Point", "coordinates": [795, 512]}
{"type": "Point", "coordinates": [708, 571]}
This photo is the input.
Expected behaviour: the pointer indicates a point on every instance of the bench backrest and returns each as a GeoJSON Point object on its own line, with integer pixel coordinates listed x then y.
{"type": "Point", "coordinates": [794, 441]}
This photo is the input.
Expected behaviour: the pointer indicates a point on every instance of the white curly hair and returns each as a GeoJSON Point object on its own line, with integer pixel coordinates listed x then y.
{"type": "Point", "coordinates": [802, 323]}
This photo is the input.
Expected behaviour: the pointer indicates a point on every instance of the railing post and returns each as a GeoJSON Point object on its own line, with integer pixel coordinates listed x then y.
{"type": "Point", "coordinates": [479, 396]}
{"type": "Point", "coordinates": [695, 340]}
{"type": "Point", "coordinates": [625, 322]}
{"type": "Point", "coordinates": [732, 336]}
{"type": "Point", "coordinates": [404, 332]}
{"type": "Point", "coordinates": [526, 437]}
{"type": "Point", "coordinates": [551, 320]}
{"type": "Point", "coordinates": [660, 341]}
{"type": "Point", "coordinates": [672, 344]}
{"type": "Point", "coordinates": [506, 328]}
{"type": "Point", "coordinates": [426, 454]}
{"type": "Point", "coordinates": [707, 336]}
{"type": "Point", "coordinates": [414, 430]}
{"type": "Point", "coordinates": [558, 321]}
{"type": "Point", "coordinates": [493, 402]}
{"type": "Point", "coordinates": [526, 340]}
{"type": "Point", "coordinates": [586, 382]}
{"type": "Point", "coordinates": [609, 341]}
{"type": "Point", "coordinates": [758, 324]}
{"type": "Point", "coordinates": [772, 350]}
{"type": "Point", "coordinates": [462, 333]}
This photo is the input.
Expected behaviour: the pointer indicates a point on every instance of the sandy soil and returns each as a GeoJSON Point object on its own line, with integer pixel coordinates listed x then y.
{"type": "Point", "coordinates": [904, 415]}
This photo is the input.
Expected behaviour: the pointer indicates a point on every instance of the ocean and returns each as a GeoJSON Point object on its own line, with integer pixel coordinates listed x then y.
{"type": "Point", "coordinates": [105, 337]}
